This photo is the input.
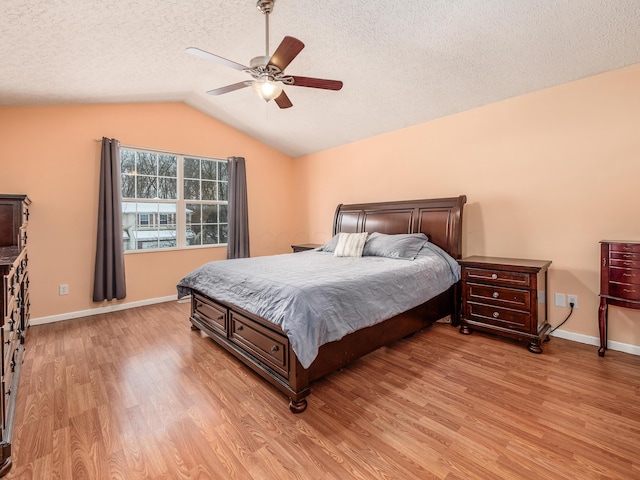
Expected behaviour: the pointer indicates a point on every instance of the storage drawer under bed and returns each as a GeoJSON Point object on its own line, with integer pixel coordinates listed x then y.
{"type": "Point", "coordinates": [210, 314]}
{"type": "Point", "coordinates": [266, 345]}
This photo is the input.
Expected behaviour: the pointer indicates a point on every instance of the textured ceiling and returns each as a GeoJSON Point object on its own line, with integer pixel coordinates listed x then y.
{"type": "Point", "coordinates": [402, 62]}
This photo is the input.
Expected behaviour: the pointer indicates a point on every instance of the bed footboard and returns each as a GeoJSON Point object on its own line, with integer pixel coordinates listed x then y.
{"type": "Point", "coordinates": [258, 344]}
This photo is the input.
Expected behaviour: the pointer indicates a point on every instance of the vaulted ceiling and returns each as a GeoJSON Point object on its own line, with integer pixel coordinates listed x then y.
{"type": "Point", "coordinates": [402, 62]}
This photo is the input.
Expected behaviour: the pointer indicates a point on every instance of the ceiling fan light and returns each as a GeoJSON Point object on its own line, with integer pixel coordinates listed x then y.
{"type": "Point", "coordinates": [267, 90]}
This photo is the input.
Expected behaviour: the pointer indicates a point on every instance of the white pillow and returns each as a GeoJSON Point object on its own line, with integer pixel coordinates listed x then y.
{"type": "Point", "coordinates": [350, 244]}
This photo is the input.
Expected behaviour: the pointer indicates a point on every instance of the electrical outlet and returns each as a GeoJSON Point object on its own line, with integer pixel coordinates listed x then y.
{"type": "Point", "coordinates": [572, 299]}
{"type": "Point", "coordinates": [63, 289]}
{"type": "Point", "coordinates": [559, 300]}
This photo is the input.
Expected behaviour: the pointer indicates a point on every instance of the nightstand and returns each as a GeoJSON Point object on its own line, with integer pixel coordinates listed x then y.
{"type": "Point", "coordinates": [301, 247]}
{"type": "Point", "coordinates": [506, 296]}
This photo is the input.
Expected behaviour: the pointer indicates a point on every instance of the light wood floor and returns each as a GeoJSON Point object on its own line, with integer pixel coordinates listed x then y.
{"type": "Point", "coordinates": [137, 394]}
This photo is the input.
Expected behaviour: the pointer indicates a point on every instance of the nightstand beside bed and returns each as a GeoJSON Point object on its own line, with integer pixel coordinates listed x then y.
{"type": "Point", "coordinates": [506, 296]}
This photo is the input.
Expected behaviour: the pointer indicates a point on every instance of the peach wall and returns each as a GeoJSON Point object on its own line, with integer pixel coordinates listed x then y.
{"type": "Point", "coordinates": [547, 175]}
{"type": "Point", "coordinates": [50, 153]}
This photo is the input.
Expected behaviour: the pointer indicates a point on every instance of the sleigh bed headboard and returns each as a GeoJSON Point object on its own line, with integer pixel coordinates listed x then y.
{"type": "Point", "coordinates": [440, 219]}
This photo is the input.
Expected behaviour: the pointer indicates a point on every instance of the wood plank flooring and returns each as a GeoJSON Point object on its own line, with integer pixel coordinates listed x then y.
{"type": "Point", "coordinates": [138, 395]}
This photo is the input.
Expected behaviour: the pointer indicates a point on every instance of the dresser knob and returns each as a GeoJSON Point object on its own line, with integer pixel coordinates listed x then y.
{"type": "Point", "coordinates": [275, 348]}
{"type": "Point", "coordinates": [496, 294]}
{"type": "Point", "coordinates": [220, 318]}
{"type": "Point", "coordinates": [240, 327]}
{"type": "Point", "coordinates": [496, 314]}
{"type": "Point", "coordinates": [494, 276]}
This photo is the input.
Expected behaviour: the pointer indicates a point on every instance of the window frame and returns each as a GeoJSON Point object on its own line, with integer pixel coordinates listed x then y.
{"type": "Point", "coordinates": [180, 203]}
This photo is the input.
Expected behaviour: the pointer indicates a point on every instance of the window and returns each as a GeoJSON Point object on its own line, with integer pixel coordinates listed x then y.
{"type": "Point", "coordinates": [172, 200]}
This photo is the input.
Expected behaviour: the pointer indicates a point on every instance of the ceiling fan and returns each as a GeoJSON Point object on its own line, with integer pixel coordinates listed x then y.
{"type": "Point", "coordinates": [268, 71]}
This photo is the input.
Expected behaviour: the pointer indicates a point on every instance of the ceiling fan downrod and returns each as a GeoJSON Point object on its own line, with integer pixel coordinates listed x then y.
{"type": "Point", "coordinates": [266, 7]}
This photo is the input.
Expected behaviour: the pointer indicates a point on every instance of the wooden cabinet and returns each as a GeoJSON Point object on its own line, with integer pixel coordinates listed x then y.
{"type": "Point", "coordinates": [505, 296]}
{"type": "Point", "coordinates": [14, 309]}
{"type": "Point", "coordinates": [304, 246]}
{"type": "Point", "coordinates": [619, 281]}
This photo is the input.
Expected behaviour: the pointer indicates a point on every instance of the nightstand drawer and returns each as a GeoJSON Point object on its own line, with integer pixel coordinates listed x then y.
{"type": "Point", "coordinates": [501, 317]}
{"type": "Point", "coordinates": [498, 277]}
{"type": "Point", "coordinates": [500, 296]}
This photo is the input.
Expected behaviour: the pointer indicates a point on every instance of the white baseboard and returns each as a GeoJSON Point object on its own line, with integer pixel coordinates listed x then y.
{"type": "Point", "coordinates": [589, 340]}
{"type": "Point", "coordinates": [100, 310]}
{"type": "Point", "coordinates": [575, 337]}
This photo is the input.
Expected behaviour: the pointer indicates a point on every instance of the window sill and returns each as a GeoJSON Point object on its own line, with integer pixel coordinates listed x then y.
{"type": "Point", "coordinates": [173, 249]}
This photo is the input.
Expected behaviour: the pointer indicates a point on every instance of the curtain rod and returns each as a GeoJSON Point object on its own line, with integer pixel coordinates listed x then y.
{"type": "Point", "coordinates": [170, 152]}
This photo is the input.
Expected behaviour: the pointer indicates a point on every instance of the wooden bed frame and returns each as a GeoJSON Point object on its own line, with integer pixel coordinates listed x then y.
{"type": "Point", "coordinates": [263, 346]}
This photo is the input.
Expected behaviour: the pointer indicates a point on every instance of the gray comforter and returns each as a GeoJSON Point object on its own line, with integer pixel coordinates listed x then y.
{"type": "Point", "coordinates": [316, 297]}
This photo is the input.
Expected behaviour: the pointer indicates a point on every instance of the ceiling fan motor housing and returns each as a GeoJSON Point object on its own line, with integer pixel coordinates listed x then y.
{"type": "Point", "coordinates": [259, 61]}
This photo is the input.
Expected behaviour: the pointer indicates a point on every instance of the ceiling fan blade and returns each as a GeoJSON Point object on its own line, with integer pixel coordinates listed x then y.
{"type": "Point", "coordinates": [316, 83]}
{"type": "Point", "coordinates": [228, 88]}
{"type": "Point", "coordinates": [283, 101]}
{"type": "Point", "coordinates": [210, 56]}
{"type": "Point", "coordinates": [288, 49]}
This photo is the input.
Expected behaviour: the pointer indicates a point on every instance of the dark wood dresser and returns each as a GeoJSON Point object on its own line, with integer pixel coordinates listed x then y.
{"type": "Point", "coordinates": [619, 281]}
{"type": "Point", "coordinates": [14, 306]}
{"type": "Point", "coordinates": [506, 296]}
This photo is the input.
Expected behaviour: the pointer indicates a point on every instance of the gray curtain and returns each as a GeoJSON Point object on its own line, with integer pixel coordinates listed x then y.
{"type": "Point", "coordinates": [238, 239]}
{"type": "Point", "coordinates": [109, 280]}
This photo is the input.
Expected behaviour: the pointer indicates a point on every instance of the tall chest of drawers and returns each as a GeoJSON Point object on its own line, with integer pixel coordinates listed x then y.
{"type": "Point", "coordinates": [619, 281]}
{"type": "Point", "coordinates": [14, 310]}
{"type": "Point", "coordinates": [505, 296]}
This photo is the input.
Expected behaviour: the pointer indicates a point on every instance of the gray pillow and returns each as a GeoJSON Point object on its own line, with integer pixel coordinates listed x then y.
{"type": "Point", "coordinates": [330, 246]}
{"type": "Point", "coordinates": [403, 245]}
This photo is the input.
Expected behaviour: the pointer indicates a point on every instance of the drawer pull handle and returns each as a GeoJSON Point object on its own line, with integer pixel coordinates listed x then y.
{"type": "Point", "coordinates": [604, 262]}
{"type": "Point", "coordinates": [275, 348]}
{"type": "Point", "coordinates": [626, 290]}
{"type": "Point", "coordinates": [240, 327]}
{"type": "Point", "coordinates": [220, 318]}
{"type": "Point", "coordinates": [627, 275]}
{"type": "Point", "coordinates": [494, 275]}
{"type": "Point", "coordinates": [496, 294]}
{"type": "Point", "coordinates": [496, 314]}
